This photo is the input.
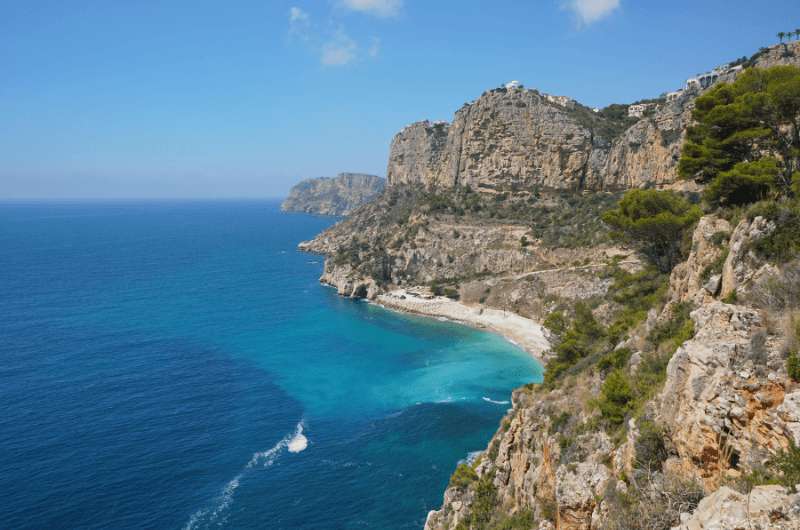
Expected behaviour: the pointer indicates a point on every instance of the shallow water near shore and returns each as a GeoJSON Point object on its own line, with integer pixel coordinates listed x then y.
{"type": "Point", "coordinates": [177, 365]}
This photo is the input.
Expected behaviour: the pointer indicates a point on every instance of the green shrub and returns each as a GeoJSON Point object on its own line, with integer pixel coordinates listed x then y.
{"type": "Point", "coordinates": [616, 396]}
{"type": "Point", "coordinates": [656, 504]}
{"type": "Point", "coordinates": [793, 366]}
{"type": "Point", "coordinates": [674, 331]}
{"type": "Point", "coordinates": [637, 293]}
{"type": "Point", "coordinates": [731, 298]}
{"type": "Point", "coordinates": [614, 359]}
{"type": "Point", "coordinates": [650, 375]}
{"type": "Point", "coordinates": [522, 520]}
{"type": "Point", "coordinates": [559, 422]}
{"type": "Point", "coordinates": [584, 337]}
{"type": "Point", "coordinates": [555, 322]}
{"type": "Point", "coordinates": [787, 464]}
{"type": "Point", "coordinates": [484, 503]}
{"type": "Point", "coordinates": [463, 476]}
{"type": "Point", "coordinates": [715, 267]}
{"type": "Point", "coordinates": [719, 238]}
{"type": "Point", "coordinates": [782, 469]}
{"type": "Point", "coordinates": [783, 243]}
{"type": "Point", "coordinates": [796, 184]}
{"type": "Point", "coordinates": [651, 451]}
{"type": "Point", "coordinates": [655, 222]}
{"type": "Point", "coordinates": [549, 509]}
{"type": "Point", "coordinates": [451, 292]}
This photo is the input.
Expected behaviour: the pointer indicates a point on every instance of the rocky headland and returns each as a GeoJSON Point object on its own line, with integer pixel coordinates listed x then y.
{"type": "Point", "coordinates": [670, 399]}
{"type": "Point", "coordinates": [339, 195]}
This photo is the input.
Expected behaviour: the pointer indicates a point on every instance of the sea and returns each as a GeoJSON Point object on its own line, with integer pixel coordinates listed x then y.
{"type": "Point", "coordinates": [177, 365]}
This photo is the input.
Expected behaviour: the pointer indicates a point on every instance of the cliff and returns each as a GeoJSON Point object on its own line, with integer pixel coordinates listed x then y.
{"type": "Point", "coordinates": [333, 196]}
{"type": "Point", "coordinates": [513, 138]}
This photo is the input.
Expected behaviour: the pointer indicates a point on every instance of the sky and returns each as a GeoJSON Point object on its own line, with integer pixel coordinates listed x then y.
{"type": "Point", "coordinates": [212, 99]}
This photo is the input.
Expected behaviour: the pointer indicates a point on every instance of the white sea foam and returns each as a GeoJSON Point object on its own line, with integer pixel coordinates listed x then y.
{"type": "Point", "coordinates": [489, 400]}
{"type": "Point", "coordinates": [472, 456]}
{"type": "Point", "coordinates": [216, 514]}
{"type": "Point", "coordinates": [298, 442]}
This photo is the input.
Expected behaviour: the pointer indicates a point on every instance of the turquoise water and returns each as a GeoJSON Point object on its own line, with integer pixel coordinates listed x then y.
{"type": "Point", "coordinates": [177, 365]}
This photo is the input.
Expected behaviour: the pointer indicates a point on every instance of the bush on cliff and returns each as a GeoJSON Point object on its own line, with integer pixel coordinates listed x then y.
{"type": "Point", "coordinates": [782, 244]}
{"type": "Point", "coordinates": [556, 322]}
{"type": "Point", "coordinates": [522, 520]}
{"type": "Point", "coordinates": [671, 334]}
{"type": "Point", "coordinates": [793, 366]}
{"type": "Point", "coordinates": [463, 476]}
{"type": "Point", "coordinates": [651, 451]}
{"type": "Point", "coordinates": [636, 293]}
{"type": "Point", "coordinates": [654, 221]}
{"type": "Point", "coordinates": [584, 337]}
{"type": "Point", "coordinates": [782, 469]}
{"type": "Point", "coordinates": [616, 398]}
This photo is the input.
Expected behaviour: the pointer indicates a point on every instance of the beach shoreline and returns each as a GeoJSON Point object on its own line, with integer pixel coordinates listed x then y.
{"type": "Point", "coordinates": [523, 332]}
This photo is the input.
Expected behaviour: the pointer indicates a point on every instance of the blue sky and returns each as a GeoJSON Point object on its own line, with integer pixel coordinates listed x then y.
{"type": "Point", "coordinates": [113, 98]}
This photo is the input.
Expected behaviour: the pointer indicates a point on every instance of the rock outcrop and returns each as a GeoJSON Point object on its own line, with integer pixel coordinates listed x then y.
{"type": "Point", "coordinates": [333, 196]}
{"type": "Point", "coordinates": [766, 507]}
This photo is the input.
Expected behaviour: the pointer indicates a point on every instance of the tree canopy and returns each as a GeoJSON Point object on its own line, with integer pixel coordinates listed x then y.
{"type": "Point", "coordinates": [654, 221]}
{"type": "Point", "coordinates": [747, 134]}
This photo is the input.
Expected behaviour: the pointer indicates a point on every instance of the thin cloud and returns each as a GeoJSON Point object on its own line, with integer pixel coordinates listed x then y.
{"type": "Point", "coordinates": [379, 8]}
{"type": "Point", "coordinates": [341, 50]}
{"type": "Point", "coordinates": [374, 48]}
{"type": "Point", "coordinates": [333, 45]}
{"type": "Point", "coordinates": [590, 11]}
{"type": "Point", "coordinates": [299, 23]}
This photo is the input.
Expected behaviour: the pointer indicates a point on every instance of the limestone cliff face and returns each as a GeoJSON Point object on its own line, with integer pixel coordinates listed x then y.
{"type": "Point", "coordinates": [416, 153]}
{"type": "Point", "coordinates": [512, 138]}
{"type": "Point", "coordinates": [517, 138]}
{"type": "Point", "coordinates": [646, 153]}
{"type": "Point", "coordinates": [333, 196]}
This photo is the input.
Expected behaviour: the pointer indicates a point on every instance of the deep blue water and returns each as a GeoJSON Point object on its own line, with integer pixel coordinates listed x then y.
{"type": "Point", "coordinates": [159, 360]}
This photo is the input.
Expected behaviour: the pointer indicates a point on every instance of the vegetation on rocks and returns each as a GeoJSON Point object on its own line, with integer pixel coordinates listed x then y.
{"type": "Point", "coordinates": [739, 143]}
{"type": "Point", "coordinates": [783, 243]}
{"type": "Point", "coordinates": [463, 476]}
{"type": "Point", "coordinates": [655, 222]}
{"type": "Point", "coordinates": [558, 219]}
{"type": "Point", "coordinates": [782, 469]}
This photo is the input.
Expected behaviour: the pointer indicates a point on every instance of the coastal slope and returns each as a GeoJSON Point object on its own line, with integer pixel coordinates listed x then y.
{"type": "Point", "coordinates": [668, 399]}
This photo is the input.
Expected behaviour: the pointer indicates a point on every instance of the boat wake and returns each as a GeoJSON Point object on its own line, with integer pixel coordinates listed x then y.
{"type": "Point", "coordinates": [489, 400]}
{"type": "Point", "coordinates": [216, 513]}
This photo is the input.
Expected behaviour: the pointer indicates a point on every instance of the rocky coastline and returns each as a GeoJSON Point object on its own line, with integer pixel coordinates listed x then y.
{"type": "Point", "coordinates": [677, 398]}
